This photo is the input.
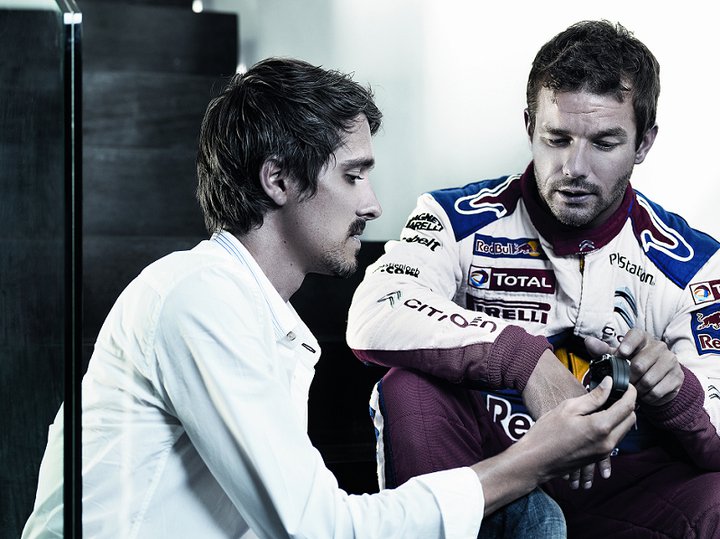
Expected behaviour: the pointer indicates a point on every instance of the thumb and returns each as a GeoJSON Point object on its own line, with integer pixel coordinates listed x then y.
{"type": "Point", "coordinates": [596, 347]}
{"type": "Point", "coordinates": [591, 402]}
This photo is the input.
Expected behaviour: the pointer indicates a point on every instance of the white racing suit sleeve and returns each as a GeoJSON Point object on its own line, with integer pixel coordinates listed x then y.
{"type": "Point", "coordinates": [406, 313]}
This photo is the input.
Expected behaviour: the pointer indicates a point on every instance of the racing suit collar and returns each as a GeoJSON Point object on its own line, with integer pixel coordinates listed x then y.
{"type": "Point", "coordinates": [567, 240]}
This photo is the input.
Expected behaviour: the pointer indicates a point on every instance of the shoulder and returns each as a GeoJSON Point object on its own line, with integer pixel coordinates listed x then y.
{"type": "Point", "coordinates": [186, 284]}
{"type": "Point", "coordinates": [478, 204]}
{"type": "Point", "coordinates": [676, 248]}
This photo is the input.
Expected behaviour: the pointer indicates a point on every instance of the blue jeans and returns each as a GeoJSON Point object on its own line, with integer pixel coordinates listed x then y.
{"type": "Point", "coordinates": [530, 517]}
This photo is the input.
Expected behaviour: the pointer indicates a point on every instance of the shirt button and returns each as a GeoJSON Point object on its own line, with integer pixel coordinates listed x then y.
{"type": "Point", "coordinates": [291, 336]}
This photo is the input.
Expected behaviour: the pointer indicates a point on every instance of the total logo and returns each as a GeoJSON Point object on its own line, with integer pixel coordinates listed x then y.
{"type": "Point", "coordinates": [512, 279]}
{"type": "Point", "coordinates": [705, 292]}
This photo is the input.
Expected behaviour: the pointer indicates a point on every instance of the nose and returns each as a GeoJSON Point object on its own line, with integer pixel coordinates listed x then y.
{"type": "Point", "coordinates": [576, 162]}
{"type": "Point", "coordinates": [370, 208]}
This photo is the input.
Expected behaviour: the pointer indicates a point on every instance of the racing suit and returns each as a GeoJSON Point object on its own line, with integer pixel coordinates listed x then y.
{"type": "Point", "coordinates": [484, 279]}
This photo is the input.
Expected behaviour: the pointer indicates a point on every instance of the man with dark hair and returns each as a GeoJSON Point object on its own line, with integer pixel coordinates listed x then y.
{"type": "Point", "coordinates": [195, 400]}
{"type": "Point", "coordinates": [513, 284]}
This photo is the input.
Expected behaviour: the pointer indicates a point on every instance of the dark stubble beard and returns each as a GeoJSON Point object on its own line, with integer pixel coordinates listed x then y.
{"type": "Point", "coordinates": [335, 261]}
{"type": "Point", "coordinates": [575, 219]}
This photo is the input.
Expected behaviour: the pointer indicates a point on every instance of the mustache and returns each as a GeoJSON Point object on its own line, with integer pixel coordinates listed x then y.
{"type": "Point", "coordinates": [575, 183]}
{"type": "Point", "coordinates": [357, 227]}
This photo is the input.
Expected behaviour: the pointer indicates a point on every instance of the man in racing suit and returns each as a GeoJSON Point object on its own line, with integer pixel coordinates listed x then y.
{"type": "Point", "coordinates": [495, 286]}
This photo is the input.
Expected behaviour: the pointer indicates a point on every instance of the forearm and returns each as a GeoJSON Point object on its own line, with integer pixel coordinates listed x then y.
{"type": "Point", "coordinates": [506, 477]}
{"type": "Point", "coordinates": [549, 383]}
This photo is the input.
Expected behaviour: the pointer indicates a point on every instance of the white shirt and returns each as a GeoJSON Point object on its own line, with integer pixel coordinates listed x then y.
{"type": "Point", "coordinates": [195, 422]}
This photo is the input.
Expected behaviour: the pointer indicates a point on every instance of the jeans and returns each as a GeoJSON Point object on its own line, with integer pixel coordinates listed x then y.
{"type": "Point", "coordinates": [535, 516]}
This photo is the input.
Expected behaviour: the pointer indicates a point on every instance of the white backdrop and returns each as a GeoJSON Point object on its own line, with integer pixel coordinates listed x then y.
{"type": "Point", "coordinates": [450, 78]}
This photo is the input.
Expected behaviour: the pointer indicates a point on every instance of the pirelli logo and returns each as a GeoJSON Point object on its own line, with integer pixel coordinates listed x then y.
{"type": "Point", "coordinates": [520, 311]}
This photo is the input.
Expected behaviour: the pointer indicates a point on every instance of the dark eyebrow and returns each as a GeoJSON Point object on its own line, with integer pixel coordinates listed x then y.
{"type": "Point", "coordinates": [612, 132]}
{"type": "Point", "coordinates": [362, 162]}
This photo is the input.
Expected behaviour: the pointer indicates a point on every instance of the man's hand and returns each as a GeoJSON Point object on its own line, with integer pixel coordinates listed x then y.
{"type": "Point", "coordinates": [568, 437]}
{"type": "Point", "coordinates": [550, 384]}
{"type": "Point", "coordinates": [575, 434]}
{"type": "Point", "coordinates": [654, 369]}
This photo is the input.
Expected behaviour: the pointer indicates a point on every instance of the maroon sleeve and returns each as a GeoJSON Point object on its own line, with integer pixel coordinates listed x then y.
{"type": "Point", "coordinates": [688, 420]}
{"type": "Point", "coordinates": [505, 363]}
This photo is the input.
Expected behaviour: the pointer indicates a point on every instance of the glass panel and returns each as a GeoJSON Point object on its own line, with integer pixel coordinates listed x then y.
{"type": "Point", "coordinates": [38, 201]}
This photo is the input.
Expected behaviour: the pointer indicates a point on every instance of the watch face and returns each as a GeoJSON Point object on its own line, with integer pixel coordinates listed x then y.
{"type": "Point", "coordinates": [617, 368]}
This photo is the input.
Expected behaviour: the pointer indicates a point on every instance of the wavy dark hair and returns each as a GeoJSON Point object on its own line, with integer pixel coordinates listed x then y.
{"type": "Point", "coordinates": [602, 58]}
{"type": "Point", "coordinates": [282, 109]}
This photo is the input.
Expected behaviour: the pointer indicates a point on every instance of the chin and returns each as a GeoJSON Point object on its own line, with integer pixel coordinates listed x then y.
{"type": "Point", "coordinates": [339, 266]}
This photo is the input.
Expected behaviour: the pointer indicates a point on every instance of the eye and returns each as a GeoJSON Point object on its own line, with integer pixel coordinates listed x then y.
{"type": "Point", "coordinates": [352, 178]}
{"type": "Point", "coordinates": [557, 142]}
{"type": "Point", "coordinates": [605, 146]}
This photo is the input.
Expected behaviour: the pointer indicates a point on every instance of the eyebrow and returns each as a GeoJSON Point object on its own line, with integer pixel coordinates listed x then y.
{"type": "Point", "coordinates": [612, 132]}
{"type": "Point", "coordinates": [361, 162]}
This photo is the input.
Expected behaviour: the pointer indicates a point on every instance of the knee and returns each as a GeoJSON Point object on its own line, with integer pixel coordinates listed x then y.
{"type": "Point", "coordinates": [544, 515]}
{"type": "Point", "coordinates": [402, 389]}
{"type": "Point", "coordinates": [534, 515]}
{"type": "Point", "coordinates": [705, 517]}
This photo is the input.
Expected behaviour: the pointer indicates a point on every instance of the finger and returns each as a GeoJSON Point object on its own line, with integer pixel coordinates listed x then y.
{"type": "Point", "coordinates": [605, 468]}
{"type": "Point", "coordinates": [633, 341]}
{"type": "Point", "coordinates": [663, 377]}
{"type": "Point", "coordinates": [645, 359]}
{"type": "Point", "coordinates": [590, 402]}
{"type": "Point", "coordinates": [617, 413]}
{"type": "Point", "coordinates": [621, 416]}
{"type": "Point", "coordinates": [575, 479]}
{"type": "Point", "coordinates": [664, 390]}
{"type": "Point", "coordinates": [596, 347]}
{"type": "Point", "coordinates": [586, 476]}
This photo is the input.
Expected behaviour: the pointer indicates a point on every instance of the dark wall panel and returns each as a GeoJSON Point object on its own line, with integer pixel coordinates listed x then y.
{"type": "Point", "coordinates": [32, 251]}
{"type": "Point", "coordinates": [150, 70]}
{"type": "Point", "coordinates": [162, 180]}
{"type": "Point", "coordinates": [158, 38]}
{"type": "Point", "coordinates": [145, 110]}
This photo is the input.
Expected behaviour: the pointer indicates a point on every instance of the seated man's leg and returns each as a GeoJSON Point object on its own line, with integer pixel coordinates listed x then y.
{"type": "Point", "coordinates": [426, 425]}
{"type": "Point", "coordinates": [530, 517]}
{"type": "Point", "coordinates": [430, 425]}
{"type": "Point", "coordinates": [650, 494]}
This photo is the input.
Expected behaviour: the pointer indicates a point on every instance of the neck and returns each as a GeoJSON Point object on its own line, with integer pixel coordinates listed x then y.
{"type": "Point", "coordinates": [269, 249]}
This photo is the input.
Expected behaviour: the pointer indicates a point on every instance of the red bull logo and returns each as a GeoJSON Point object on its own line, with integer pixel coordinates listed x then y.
{"type": "Point", "coordinates": [705, 324]}
{"type": "Point", "coordinates": [499, 247]}
{"type": "Point", "coordinates": [707, 321]}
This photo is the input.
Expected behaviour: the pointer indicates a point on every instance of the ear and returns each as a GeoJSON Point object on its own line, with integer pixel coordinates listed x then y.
{"type": "Point", "coordinates": [645, 144]}
{"type": "Point", "coordinates": [274, 182]}
{"type": "Point", "coordinates": [528, 130]}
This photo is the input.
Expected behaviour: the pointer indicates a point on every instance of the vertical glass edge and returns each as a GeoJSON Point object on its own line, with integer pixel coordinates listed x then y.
{"type": "Point", "coordinates": [72, 455]}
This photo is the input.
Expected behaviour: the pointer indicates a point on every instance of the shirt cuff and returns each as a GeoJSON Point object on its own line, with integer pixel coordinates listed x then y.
{"type": "Point", "coordinates": [459, 496]}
